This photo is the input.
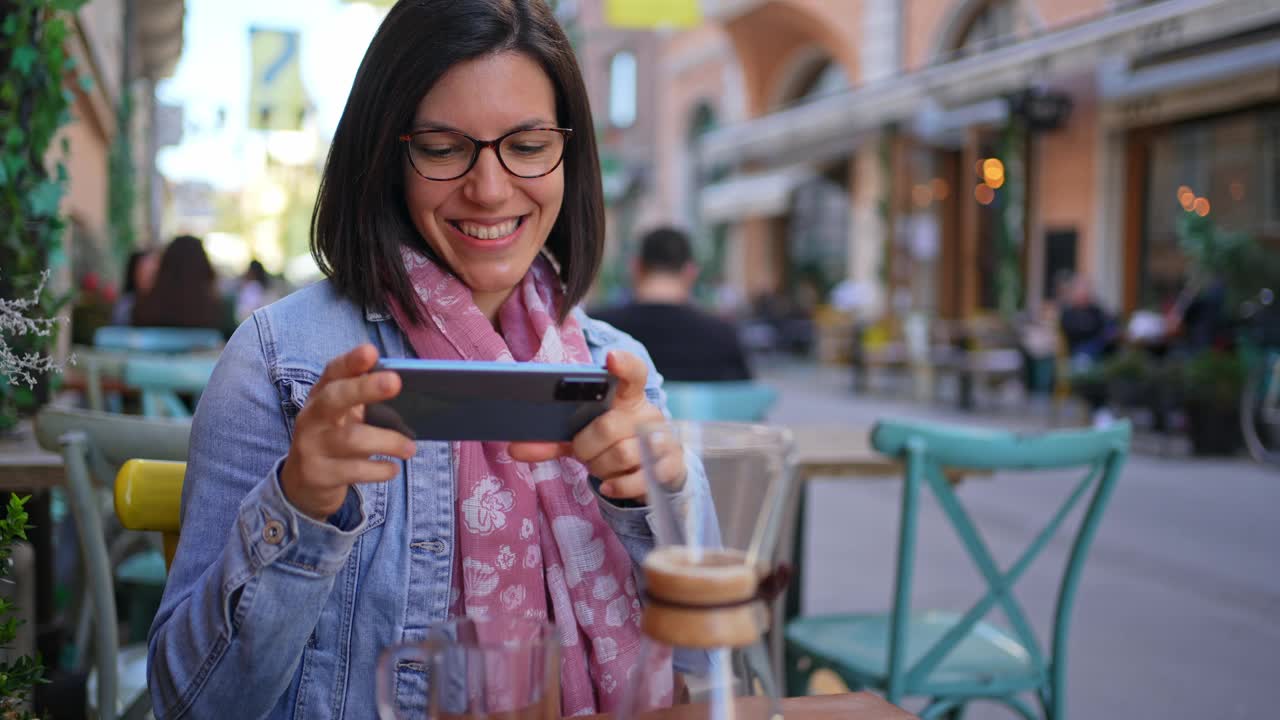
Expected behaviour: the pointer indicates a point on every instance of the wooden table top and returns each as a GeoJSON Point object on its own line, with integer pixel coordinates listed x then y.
{"type": "Point", "coordinates": [839, 451]}
{"type": "Point", "coordinates": [848, 706]}
{"type": "Point", "coordinates": [24, 465]}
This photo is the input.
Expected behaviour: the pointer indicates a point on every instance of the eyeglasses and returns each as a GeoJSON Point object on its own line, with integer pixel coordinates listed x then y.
{"type": "Point", "coordinates": [449, 154]}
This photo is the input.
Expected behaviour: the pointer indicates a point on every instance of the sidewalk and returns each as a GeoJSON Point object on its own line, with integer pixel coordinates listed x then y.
{"type": "Point", "coordinates": [1178, 611]}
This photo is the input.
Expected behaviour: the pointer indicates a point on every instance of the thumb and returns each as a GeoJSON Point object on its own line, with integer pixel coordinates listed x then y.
{"type": "Point", "coordinates": [631, 373]}
{"type": "Point", "coordinates": [535, 452]}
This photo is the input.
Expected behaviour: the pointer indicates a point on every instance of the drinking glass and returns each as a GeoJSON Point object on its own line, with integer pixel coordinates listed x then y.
{"type": "Point", "coordinates": [496, 669]}
{"type": "Point", "coordinates": [710, 596]}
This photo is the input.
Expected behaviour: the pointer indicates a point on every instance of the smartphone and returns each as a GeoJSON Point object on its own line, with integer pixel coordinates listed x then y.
{"type": "Point", "coordinates": [463, 400]}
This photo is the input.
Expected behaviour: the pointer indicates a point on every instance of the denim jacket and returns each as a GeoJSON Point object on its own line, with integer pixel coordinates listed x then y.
{"type": "Point", "coordinates": [268, 613]}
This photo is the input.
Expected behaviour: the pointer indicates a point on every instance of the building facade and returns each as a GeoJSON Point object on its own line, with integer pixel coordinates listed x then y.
{"type": "Point", "coordinates": [959, 157]}
{"type": "Point", "coordinates": [119, 46]}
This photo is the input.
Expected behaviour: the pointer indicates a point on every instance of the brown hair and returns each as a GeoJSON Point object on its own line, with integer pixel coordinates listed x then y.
{"type": "Point", "coordinates": [360, 220]}
{"type": "Point", "coordinates": [185, 293]}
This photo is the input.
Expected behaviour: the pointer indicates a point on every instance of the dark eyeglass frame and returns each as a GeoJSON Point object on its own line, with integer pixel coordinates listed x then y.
{"type": "Point", "coordinates": [407, 138]}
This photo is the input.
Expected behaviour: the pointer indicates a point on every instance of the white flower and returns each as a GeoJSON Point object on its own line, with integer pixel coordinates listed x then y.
{"type": "Point", "coordinates": [581, 551]}
{"type": "Point", "coordinates": [486, 510]}
{"type": "Point", "coordinates": [480, 578]}
{"type": "Point", "coordinates": [512, 597]}
{"type": "Point", "coordinates": [605, 587]}
{"type": "Point", "coordinates": [608, 683]}
{"type": "Point", "coordinates": [506, 557]}
{"type": "Point", "coordinates": [586, 616]}
{"type": "Point", "coordinates": [606, 649]}
{"type": "Point", "coordinates": [526, 529]}
{"type": "Point", "coordinates": [618, 612]}
{"type": "Point", "coordinates": [532, 557]}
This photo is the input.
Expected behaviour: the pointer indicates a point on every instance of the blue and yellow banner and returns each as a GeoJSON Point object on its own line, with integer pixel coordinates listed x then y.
{"type": "Point", "coordinates": [277, 100]}
{"type": "Point", "coordinates": [652, 14]}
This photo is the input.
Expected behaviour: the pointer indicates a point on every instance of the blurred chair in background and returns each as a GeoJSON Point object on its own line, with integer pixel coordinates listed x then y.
{"type": "Point", "coordinates": [93, 446]}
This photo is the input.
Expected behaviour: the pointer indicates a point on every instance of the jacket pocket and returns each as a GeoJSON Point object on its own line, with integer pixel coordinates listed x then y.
{"type": "Point", "coordinates": [295, 387]}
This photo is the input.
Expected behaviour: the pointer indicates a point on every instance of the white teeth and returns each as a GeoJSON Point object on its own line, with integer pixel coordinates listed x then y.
{"type": "Point", "coordinates": [489, 232]}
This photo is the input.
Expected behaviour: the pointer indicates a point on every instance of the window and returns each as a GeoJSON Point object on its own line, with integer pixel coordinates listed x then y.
{"type": "Point", "coordinates": [622, 89]}
{"type": "Point", "coordinates": [994, 26]}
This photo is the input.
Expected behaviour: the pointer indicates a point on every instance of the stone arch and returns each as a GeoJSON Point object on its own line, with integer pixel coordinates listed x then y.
{"type": "Point", "coordinates": [959, 19]}
{"type": "Point", "coordinates": [780, 38]}
{"type": "Point", "coordinates": [802, 70]}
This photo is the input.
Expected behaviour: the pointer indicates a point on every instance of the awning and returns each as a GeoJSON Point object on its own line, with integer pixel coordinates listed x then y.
{"type": "Point", "coordinates": [1118, 83]}
{"type": "Point", "coordinates": [1139, 31]}
{"type": "Point", "coordinates": [756, 195]}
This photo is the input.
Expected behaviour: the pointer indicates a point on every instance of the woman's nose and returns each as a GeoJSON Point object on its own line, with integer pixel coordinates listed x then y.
{"type": "Point", "coordinates": [488, 183]}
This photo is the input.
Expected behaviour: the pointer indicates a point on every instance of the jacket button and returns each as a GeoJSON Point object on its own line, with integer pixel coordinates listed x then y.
{"type": "Point", "coordinates": [273, 532]}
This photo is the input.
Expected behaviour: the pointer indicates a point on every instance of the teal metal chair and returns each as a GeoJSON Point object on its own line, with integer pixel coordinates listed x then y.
{"type": "Point", "coordinates": [161, 379]}
{"type": "Point", "coordinates": [719, 401]}
{"type": "Point", "coordinates": [156, 339]}
{"type": "Point", "coordinates": [94, 445]}
{"type": "Point", "coordinates": [953, 658]}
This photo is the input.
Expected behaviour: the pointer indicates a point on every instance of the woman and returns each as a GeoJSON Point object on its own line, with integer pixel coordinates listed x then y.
{"type": "Point", "coordinates": [302, 556]}
{"type": "Point", "coordinates": [185, 290]}
{"type": "Point", "coordinates": [139, 278]}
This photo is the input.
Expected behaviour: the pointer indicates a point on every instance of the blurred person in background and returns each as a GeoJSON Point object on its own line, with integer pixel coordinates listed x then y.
{"type": "Point", "coordinates": [1090, 332]}
{"type": "Point", "coordinates": [254, 291]}
{"type": "Point", "coordinates": [139, 278]}
{"type": "Point", "coordinates": [687, 344]}
{"type": "Point", "coordinates": [185, 293]}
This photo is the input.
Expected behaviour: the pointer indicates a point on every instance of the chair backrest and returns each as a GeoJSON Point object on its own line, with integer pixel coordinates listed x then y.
{"type": "Point", "coordinates": [149, 498]}
{"type": "Point", "coordinates": [722, 401]}
{"type": "Point", "coordinates": [92, 444]}
{"type": "Point", "coordinates": [162, 378]}
{"type": "Point", "coordinates": [156, 339]}
{"type": "Point", "coordinates": [925, 450]}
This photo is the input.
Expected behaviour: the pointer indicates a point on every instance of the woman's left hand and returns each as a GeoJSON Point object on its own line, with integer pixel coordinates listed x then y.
{"type": "Point", "coordinates": [610, 446]}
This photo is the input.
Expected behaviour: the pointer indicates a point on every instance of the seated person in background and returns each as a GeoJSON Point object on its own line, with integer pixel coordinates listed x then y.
{"type": "Point", "coordinates": [139, 277]}
{"type": "Point", "coordinates": [687, 344]}
{"type": "Point", "coordinates": [1089, 331]}
{"type": "Point", "coordinates": [185, 293]}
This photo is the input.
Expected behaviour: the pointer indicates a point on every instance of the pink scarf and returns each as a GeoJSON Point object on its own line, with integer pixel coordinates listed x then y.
{"type": "Point", "coordinates": [531, 535]}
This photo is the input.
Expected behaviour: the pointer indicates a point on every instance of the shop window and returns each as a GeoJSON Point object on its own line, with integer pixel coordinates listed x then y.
{"type": "Point", "coordinates": [622, 89]}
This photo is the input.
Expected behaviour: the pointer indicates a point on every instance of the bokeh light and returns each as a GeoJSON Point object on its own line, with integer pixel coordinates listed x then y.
{"type": "Point", "coordinates": [993, 171]}
{"type": "Point", "coordinates": [984, 194]}
{"type": "Point", "coordinates": [1202, 206]}
{"type": "Point", "coordinates": [922, 195]}
{"type": "Point", "coordinates": [940, 189]}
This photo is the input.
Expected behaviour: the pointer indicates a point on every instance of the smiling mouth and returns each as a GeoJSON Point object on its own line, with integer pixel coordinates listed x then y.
{"type": "Point", "coordinates": [488, 232]}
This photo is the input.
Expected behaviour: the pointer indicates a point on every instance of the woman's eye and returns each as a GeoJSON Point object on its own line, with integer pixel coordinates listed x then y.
{"type": "Point", "coordinates": [438, 151]}
{"type": "Point", "coordinates": [528, 148]}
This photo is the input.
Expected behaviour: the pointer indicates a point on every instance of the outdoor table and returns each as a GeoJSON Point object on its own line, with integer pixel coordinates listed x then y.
{"type": "Point", "coordinates": [848, 706]}
{"type": "Point", "coordinates": [27, 469]}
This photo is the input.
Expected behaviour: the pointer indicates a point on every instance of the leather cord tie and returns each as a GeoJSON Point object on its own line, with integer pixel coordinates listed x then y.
{"type": "Point", "coordinates": [767, 590]}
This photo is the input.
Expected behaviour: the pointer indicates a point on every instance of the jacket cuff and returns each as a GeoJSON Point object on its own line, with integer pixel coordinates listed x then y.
{"type": "Point", "coordinates": [275, 532]}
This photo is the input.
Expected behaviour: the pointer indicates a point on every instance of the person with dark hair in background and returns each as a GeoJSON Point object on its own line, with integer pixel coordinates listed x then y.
{"type": "Point", "coordinates": [139, 278]}
{"type": "Point", "coordinates": [185, 293]}
{"type": "Point", "coordinates": [687, 344]}
{"type": "Point", "coordinates": [253, 292]}
{"type": "Point", "coordinates": [460, 217]}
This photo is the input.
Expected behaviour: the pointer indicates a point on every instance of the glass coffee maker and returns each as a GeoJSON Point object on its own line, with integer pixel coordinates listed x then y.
{"type": "Point", "coordinates": [709, 600]}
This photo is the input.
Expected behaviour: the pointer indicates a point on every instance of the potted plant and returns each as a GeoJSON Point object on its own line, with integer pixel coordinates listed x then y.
{"type": "Point", "coordinates": [1212, 383]}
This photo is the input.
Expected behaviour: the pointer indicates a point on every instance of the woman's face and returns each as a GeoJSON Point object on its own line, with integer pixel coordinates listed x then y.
{"type": "Point", "coordinates": [487, 225]}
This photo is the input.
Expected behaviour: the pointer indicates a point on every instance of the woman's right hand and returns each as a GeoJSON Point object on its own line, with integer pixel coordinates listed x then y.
{"type": "Point", "coordinates": [332, 444]}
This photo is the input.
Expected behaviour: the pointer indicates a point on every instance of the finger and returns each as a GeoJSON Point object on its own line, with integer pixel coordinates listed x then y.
{"type": "Point", "coordinates": [356, 361]}
{"type": "Point", "coordinates": [621, 459]}
{"type": "Point", "coordinates": [336, 399]}
{"type": "Point", "coordinates": [362, 441]}
{"type": "Point", "coordinates": [630, 486]}
{"type": "Point", "coordinates": [632, 373]}
{"type": "Point", "coordinates": [532, 452]}
{"type": "Point", "coordinates": [355, 472]}
{"type": "Point", "coordinates": [611, 428]}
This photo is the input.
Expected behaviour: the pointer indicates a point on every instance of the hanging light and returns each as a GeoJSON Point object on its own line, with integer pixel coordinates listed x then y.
{"type": "Point", "coordinates": [993, 171]}
{"type": "Point", "coordinates": [1202, 206]}
{"type": "Point", "coordinates": [984, 194]}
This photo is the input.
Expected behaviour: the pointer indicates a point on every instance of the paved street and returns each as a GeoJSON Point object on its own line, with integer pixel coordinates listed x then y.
{"type": "Point", "coordinates": [1178, 612]}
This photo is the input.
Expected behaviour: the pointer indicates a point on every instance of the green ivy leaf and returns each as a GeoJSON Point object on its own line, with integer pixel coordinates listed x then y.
{"type": "Point", "coordinates": [44, 199]}
{"type": "Point", "coordinates": [24, 56]}
{"type": "Point", "coordinates": [15, 137]}
{"type": "Point", "coordinates": [67, 5]}
{"type": "Point", "coordinates": [10, 25]}
{"type": "Point", "coordinates": [86, 83]}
